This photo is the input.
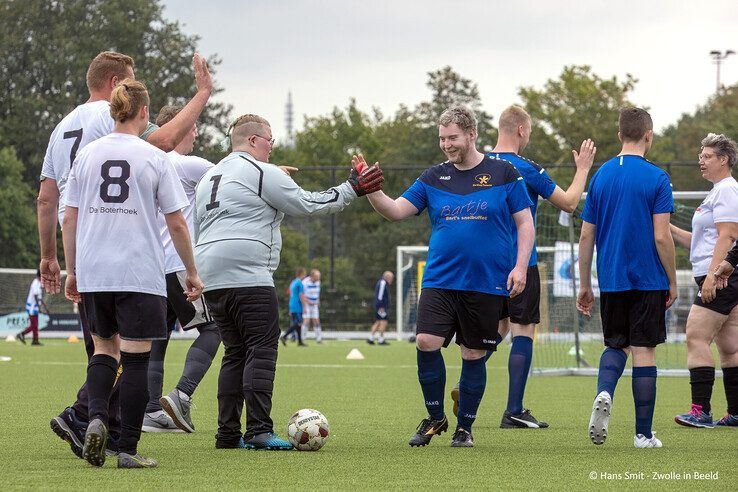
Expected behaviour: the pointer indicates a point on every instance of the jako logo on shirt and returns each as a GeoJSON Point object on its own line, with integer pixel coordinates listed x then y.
{"type": "Point", "coordinates": [445, 178]}
{"type": "Point", "coordinates": [482, 180]}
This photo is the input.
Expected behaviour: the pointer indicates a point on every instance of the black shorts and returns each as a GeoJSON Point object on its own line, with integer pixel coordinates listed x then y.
{"type": "Point", "coordinates": [634, 318]}
{"type": "Point", "coordinates": [524, 309]}
{"type": "Point", "coordinates": [132, 315]}
{"type": "Point", "coordinates": [190, 314]}
{"type": "Point", "coordinates": [471, 316]}
{"type": "Point", "coordinates": [725, 299]}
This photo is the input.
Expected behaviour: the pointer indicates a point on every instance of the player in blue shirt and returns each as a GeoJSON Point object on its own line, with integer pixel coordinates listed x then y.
{"type": "Point", "coordinates": [524, 310]}
{"type": "Point", "coordinates": [297, 298]}
{"type": "Point", "coordinates": [626, 215]}
{"type": "Point", "coordinates": [475, 203]}
{"type": "Point", "coordinates": [381, 308]}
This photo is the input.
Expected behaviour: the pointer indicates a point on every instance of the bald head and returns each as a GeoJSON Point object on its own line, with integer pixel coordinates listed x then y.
{"type": "Point", "coordinates": [388, 276]}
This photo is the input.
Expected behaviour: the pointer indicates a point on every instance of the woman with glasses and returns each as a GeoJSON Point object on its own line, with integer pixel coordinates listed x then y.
{"type": "Point", "coordinates": [714, 314]}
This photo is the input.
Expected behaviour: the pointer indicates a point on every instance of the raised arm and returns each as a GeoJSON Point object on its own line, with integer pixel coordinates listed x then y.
{"type": "Point", "coordinates": [169, 135]}
{"type": "Point", "coordinates": [47, 205]}
{"type": "Point", "coordinates": [585, 298]}
{"type": "Point", "coordinates": [667, 255]}
{"type": "Point", "coordinates": [681, 237]}
{"type": "Point", "coordinates": [390, 209]}
{"type": "Point", "coordinates": [569, 200]}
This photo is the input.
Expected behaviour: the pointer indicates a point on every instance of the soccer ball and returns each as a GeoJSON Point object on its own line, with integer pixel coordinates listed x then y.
{"type": "Point", "coordinates": [307, 430]}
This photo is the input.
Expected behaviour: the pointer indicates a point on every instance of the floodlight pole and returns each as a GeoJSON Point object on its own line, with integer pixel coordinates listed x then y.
{"type": "Point", "coordinates": [717, 58]}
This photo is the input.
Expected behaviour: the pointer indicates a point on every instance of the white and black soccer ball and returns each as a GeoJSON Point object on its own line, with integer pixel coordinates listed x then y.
{"type": "Point", "coordinates": [307, 430]}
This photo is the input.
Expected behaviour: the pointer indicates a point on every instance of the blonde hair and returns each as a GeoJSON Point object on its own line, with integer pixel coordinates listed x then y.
{"type": "Point", "coordinates": [167, 114]}
{"type": "Point", "coordinates": [106, 65]}
{"type": "Point", "coordinates": [127, 99]}
{"type": "Point", "coordinates": [244, 126]}
{"type": "Point", "coordinates": [460, 115]}
{"type": "Point", "coordinates": [513, 117]}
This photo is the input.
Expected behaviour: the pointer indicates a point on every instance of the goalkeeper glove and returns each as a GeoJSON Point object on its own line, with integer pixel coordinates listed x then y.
{"type": "Point", "coordinates": [368, 181]}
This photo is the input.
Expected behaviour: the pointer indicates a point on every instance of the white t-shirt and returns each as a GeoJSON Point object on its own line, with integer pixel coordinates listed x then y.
{"type": "Point", "coordinates": [85, 124]}
{"type": "Point", "coordinates": [189, 169]}
{"type": "Point", "coordinates": [119, 183]}
{"type": "Point", "coordinates": [33, 293]}
{"type": "Point", "coordinates": [720, 205]}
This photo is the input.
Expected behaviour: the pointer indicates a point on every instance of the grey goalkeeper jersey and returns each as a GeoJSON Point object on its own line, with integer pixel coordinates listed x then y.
{"type": "Point", "coordinates": [239, 206]}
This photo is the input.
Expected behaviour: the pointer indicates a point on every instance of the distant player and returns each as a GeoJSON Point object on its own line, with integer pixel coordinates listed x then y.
{"type": "Point", "coordinates": [311, 305]}
{"type": "Point", "coordinates": [381, 308]}
{"type": "Point", "coordinates": [115, 263]}
{"type": "Point", "coordinates": [475, 203]}
{"type": "Point", "coordinates": [85, 124]}
{"type": "Point", "coordinates": [626, 215]}
{"type": "Point", "coordinates": [172, 412]}
{"type": "Point", "coordinates": [34, 302]}
{"type": "Point", "coordinates": [296, 303]}
{"type": "Point", "coordinates": [240, 204]}
{"type": "Point", "coordinates": [524, 310]}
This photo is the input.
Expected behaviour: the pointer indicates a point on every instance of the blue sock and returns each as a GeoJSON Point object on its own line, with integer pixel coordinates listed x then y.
{"type": "Point", "coordinates": [471, 389]}
{"type": "Point", "coordinates": [644, 397]}
{"type": "Point", "coordinates": [612, 363]}
{"type": "Point", "coordinates": [518, 366]}
{"type": "Point", "coordinates": [432, 377]}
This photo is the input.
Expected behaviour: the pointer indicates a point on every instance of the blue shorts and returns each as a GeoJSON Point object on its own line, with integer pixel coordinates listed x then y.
{"type": "Point", "coordinates": [381, 317]}
{"type": "Point", "coordinates": [295, 319]}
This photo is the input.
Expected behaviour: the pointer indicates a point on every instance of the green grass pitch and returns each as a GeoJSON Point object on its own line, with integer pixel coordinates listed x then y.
{"type": "Point", "coordinates": [373, 407]}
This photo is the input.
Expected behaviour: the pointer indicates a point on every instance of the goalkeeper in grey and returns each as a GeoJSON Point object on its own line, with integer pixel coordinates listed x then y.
{"type": "Point", "coordinates": [239, 206]}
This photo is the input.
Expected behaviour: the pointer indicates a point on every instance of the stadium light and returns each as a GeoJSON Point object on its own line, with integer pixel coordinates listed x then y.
{"type": "Point", "coordinates": [718, 57]}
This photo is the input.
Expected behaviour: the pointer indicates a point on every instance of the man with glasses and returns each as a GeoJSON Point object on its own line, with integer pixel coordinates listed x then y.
{"type": "Point", "coordinates": [240, 204]}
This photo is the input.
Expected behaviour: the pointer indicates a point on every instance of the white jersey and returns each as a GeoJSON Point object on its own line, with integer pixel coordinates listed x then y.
{"type": "Point", "coordinates": [85, 124]}
{"type": "Point", "coordinates": [34, 292]}
{"type": "Point", "coordinates": [312, 289]}
{"type": "Point", "coordinates": [119, 183]}
{"type": "Point", "coordinates": [239, 206]}
{"type": "Point", "coordinates": [190, 169]}
{"type": "Point", "coordinates": [720, 205]}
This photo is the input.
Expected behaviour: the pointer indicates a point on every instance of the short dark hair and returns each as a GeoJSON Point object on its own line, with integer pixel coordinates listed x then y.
{"type": "Point", "coordinates": [633, 124]}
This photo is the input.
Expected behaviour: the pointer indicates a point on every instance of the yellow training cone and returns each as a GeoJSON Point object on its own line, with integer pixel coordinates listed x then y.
{"type": "Point", "coordinates": [73, 339]}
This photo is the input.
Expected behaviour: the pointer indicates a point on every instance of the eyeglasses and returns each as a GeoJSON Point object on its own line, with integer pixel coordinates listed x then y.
{"type": "Point", "coordinates": [270, 140]}
{"type": "Point", "coordinates": [704, 157]}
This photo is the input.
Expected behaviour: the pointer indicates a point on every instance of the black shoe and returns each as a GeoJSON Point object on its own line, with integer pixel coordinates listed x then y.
{"type": "Point", "coordinates": [462, 439]}
{"type": "Point", "coordinates": [383, 342]}
{"type": "Point", "coordinates": [370, 342]}
{"type": "Point", "coordinates": [21, 338]}
{"type": "Point", "coordinates": [523, 420]}
{"type": "Point", "coordinates": [427, 429]}
{"type": "Point", "coordinates": [36, 342]}
{"type": "Point", "coordinates": [302, 344]}
{"type": "Point", "coordinates": [96, 440]}
{"type": "Point", "coordinates": [70, 430]}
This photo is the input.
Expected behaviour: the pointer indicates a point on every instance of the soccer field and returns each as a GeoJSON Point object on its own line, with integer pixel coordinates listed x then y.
{"type": "Point", "coordinates": [373, 406]}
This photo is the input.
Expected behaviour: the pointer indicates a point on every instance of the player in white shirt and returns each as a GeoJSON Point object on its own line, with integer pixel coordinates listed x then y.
{"type": "Point", "coordinates": [714, 314]}
{"type": "Point", "coordinates": [34, 302]}
{"type": "Point", "coordinates": [175, 414]}
{"type": "Point", "coordinates": [115, 264]}
{"type": "Point", "coordinates": [83, 125]}
{"type": "Point", "coordinates": [311, 306]}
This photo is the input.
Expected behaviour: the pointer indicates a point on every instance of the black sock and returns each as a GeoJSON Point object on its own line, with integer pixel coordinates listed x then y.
{"type": "Point", "coordinates": [199, 358]}
{"type": "Point", "coordinates": [701, 379]}
{"type": "Point", "coordinates": [156, 374]}
{"type": "Point", "coordinates": [730, 381]}
{"type": "Point", "coordinates": [100, 379]}
{"type": "Point", "coordinates": [134, 394]}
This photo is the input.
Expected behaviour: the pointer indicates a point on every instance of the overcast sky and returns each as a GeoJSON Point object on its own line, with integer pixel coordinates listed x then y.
{"type": "Point", "coordinates": [327, 51]}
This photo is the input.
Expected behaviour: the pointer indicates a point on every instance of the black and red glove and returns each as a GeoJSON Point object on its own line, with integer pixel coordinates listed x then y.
{"type": "Point", "coordinates": [366, 180]}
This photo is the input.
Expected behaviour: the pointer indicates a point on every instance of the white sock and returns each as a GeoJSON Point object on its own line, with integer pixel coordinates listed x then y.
{"type": "Point", "coordinates": [381, 338]}
{"type": "Point", "coordinates": [318, 333]}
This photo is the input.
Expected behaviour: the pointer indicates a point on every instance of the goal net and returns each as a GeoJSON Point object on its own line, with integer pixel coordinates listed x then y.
{"type": "Point", "coordinates": [566, 341]}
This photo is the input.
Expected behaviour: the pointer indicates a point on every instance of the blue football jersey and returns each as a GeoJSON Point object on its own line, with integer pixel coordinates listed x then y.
{"type": "Point", "coordinates": [537, 183]}
{"type": "Point", "coordinates": [472, 245]}
{"type": "Point", "coordinates": [623, 196]}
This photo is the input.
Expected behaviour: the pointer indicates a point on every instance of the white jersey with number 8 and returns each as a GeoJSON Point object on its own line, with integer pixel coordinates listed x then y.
{"type": "Point", "coordinates": [85, 124]}
{"type": "Point", "coordinates": [119, 183]}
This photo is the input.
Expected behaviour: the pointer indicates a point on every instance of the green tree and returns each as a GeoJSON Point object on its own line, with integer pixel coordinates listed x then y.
{"type": "Point", "coordinates": [18, 235]}
{"type": "Point", "coordinates": [47, 47]}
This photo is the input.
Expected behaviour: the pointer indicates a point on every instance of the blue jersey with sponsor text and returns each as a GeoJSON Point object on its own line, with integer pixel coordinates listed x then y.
{"type": "Point", "coordinates": [623, 196]}
{"type": "Point", "coordinates": [537, 183]}
{"type": "Point", "coordinates": [472, 237]}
